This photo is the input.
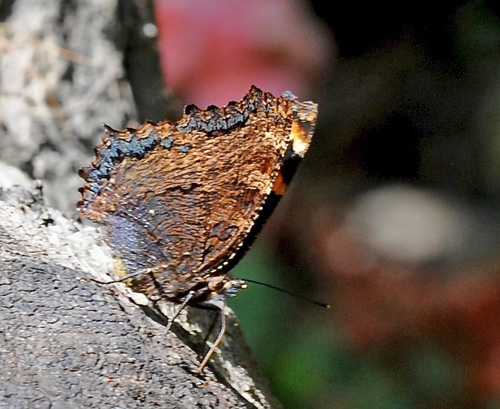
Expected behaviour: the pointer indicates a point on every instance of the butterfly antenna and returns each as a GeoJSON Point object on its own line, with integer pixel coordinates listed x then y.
{"type": "Point", "coordinates": [315, 302]}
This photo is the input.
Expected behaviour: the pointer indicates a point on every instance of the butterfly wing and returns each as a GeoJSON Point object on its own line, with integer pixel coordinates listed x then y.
{"type": "Point", "coordinates": [185, 199]}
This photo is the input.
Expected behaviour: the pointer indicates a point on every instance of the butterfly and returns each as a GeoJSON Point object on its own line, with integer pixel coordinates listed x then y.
{"type": "Point", "coordinates": [181, 202]}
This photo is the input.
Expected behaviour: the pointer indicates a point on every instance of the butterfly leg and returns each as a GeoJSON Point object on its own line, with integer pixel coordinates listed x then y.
{"type": "Point", "coordinates": [211, 328]}
{"type": "Point", "coordinates": [217, 342]}
{"type": "Point", "coordinates": [181, 307]}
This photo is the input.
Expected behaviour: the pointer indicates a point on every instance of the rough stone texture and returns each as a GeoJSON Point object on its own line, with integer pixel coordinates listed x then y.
{"type": "Point", "coordinates": [69, 342]}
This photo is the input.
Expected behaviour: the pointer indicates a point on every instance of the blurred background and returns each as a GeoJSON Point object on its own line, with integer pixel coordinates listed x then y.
{"type": "Point", "coordinates": [392, 217]}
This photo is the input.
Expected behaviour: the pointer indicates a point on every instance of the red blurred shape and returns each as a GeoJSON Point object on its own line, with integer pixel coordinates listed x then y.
{"type": "Point", "coordinates": [213, 51]}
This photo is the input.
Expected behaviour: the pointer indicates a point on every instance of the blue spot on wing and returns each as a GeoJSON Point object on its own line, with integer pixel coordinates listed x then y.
{"type": "Point", "coordinates": [129, 241]}
{"type": "Point", "coordinates": [112, 153]}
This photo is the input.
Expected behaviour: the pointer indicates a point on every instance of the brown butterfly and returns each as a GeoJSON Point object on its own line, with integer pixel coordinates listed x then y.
{"type": "Point", "coordinates": [181, 202]}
